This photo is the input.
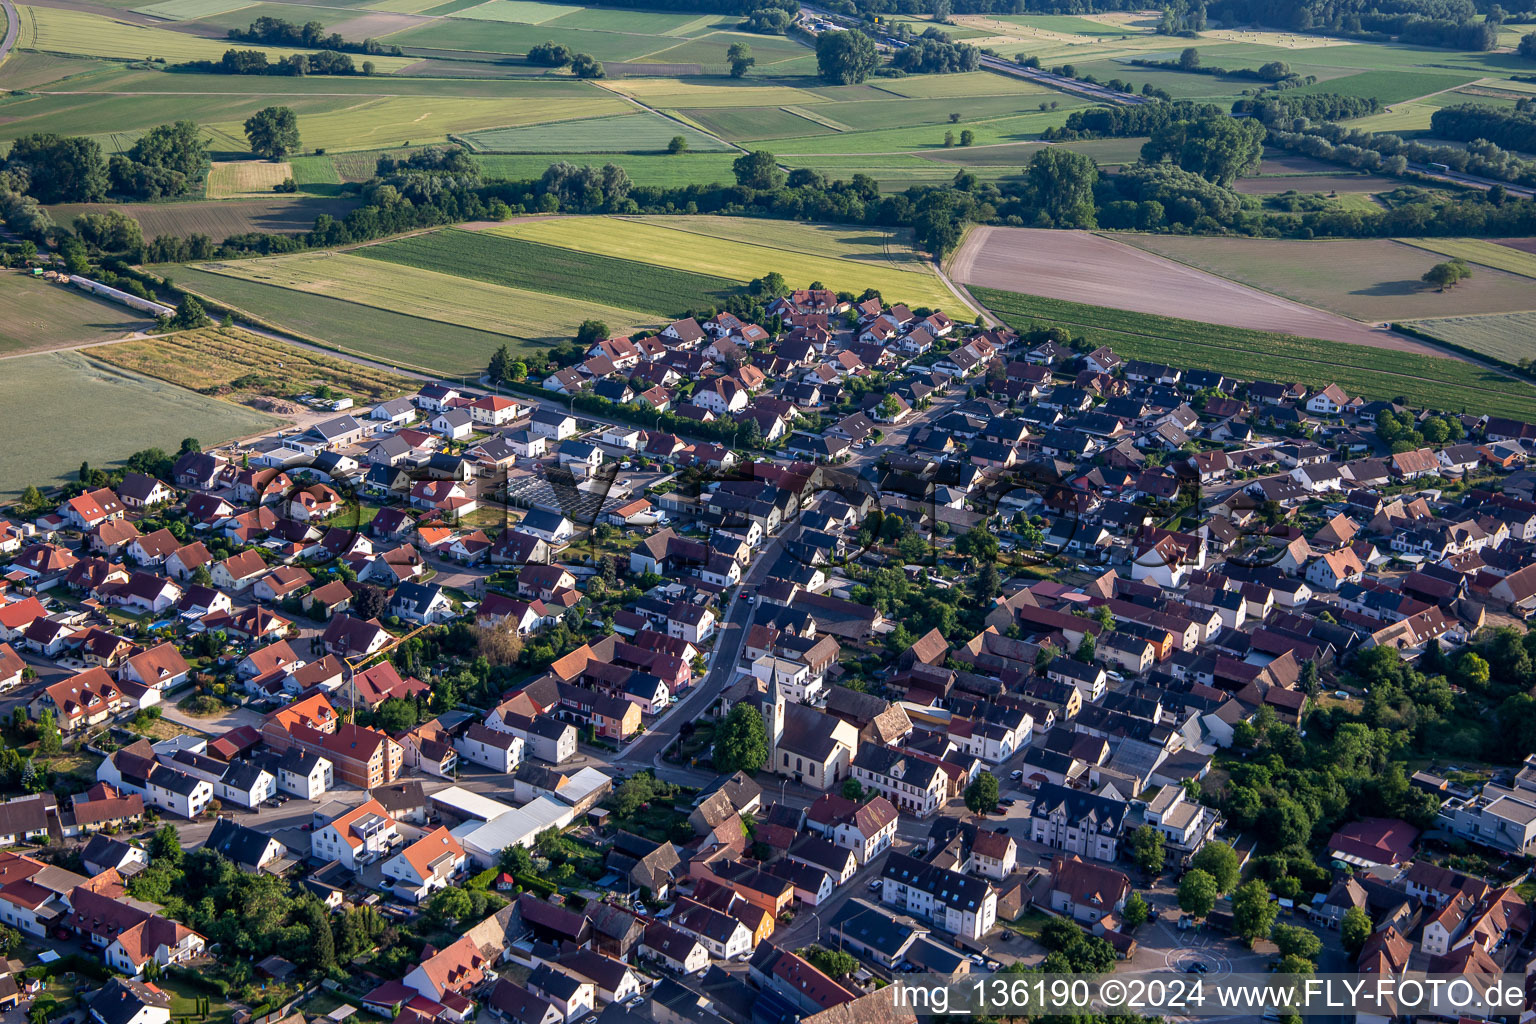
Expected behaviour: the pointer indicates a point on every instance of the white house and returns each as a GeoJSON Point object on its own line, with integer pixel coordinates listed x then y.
{"type": "Point", "coordinates": [357, 838]}
{"type": "Point", "coordinates": [425, 866]}
{"type": "Point", "coordinates": [500, 751]}
{"type": "Point", "coordinates": [305, 775]}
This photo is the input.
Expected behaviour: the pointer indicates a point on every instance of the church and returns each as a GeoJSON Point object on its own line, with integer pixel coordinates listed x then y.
{"type": "Point", "coordinates": [805, 744]}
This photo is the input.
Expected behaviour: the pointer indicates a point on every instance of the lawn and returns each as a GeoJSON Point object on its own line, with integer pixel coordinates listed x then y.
{"type": "Point", "coordinates": [635, 132]}
{"type": "Point", "coordinates": [1510, 336]}
{"type": "Point", "coordinates": [880, 245]}
{"type": "Point", "coordinates": [655, 242]}
{"type": "Point", "coordinates": [236, 365]}
{"type": "Point", "coordinates": [38, 315]}
{"type": "Point", "coordinates": [233, 178]}
{"type": "Point", "coordinates": [516, 263]}
{"type": "Point", "coordinates": [58, 409]}
{"type": "Point", "coordinates": [59, 30]}
{"type": "Point", "coordinates": [1424, 381]}
{"type": "Point", "coordinates": [1368, 279]}
{"type": "Point", "coordinates": [643, 169]}
{"type": "Point", "coordinates": [391, 337]}
{"type": "Point", "coordinates": [1394, 86]}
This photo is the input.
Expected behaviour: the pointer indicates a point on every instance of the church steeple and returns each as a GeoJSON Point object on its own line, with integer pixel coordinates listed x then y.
{"type": "Point", "coordinates": [773, 720]}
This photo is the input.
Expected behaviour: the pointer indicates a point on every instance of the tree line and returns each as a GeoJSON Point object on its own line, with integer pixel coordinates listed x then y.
{"type": "Point", "coordinates": [311, 34]}
{"type": "Point", "coordinates": [1451, 24]}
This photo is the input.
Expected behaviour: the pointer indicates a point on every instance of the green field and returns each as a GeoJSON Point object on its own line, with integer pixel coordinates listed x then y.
{"type": "Point", "coordinates": [399, 340]}
{"type": "Point", "coordinates": [516, 38]}
{"type": "Point", "coordinates": [637, 132]}
{"type": "Point", "coordinates": [112, 413]}
{"type": "Point", "coordinates": [514, 263]}
{"type": "Point", "coordinates": [184, 10]}
{"type": "Point", "coordinates": [59, 30]}
{"type": "Point", "coordinates": [524, 11]}
{"type": "Point", "coordinates": [534, 318]}
{"type": "Point", "coordinates": [35, 314]}
{"type": "Point", "coordinates": [644, 169]}
{"type": "Point", "coordinates": [652, 241]}
{"type": "Point", "coordinates": [1510, 336]}
{"type": "Point", "coordinates": [1482, 251]}
{"type": "Point", "coordinates": [1424, 381]}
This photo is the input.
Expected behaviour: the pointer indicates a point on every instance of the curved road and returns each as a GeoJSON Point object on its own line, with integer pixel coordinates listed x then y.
{"type": "Point", "coordinates": [12, 28]}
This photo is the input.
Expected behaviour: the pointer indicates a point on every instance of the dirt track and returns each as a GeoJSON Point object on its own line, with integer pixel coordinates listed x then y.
{"type": "Point", "coordinates": [1081, 267]}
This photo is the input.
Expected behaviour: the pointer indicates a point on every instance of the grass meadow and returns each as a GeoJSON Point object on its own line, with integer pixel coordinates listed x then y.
{"type": "Point", "coordinates": [394, 338]}
{"type": "Point", "coordinates": [111, 413]}
{"type": "Point", "coordinates": [36, 315]}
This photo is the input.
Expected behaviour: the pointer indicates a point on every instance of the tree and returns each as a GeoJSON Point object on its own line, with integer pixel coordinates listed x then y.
{"type": "Point", "coordinates": [1217, 148]}
{"type": "Point", "coordinates": [1253, 912]}
{"type": "Point", "coordinates": [758, 169]}
{"type": "Point", "coordinates": [322, 943]}
{"type": "Point", "coordinates": [165, 847]}
{"type": "Point", "coordinates": [834, 963]}
{"type": "Point", "coordinates": [981, 795]}
{"type": "Point", "coordinates": [1135, 912]}
{"type": "Point", "coordinates": [396, 715]}
{"type": "Point", "coordinates": [1354, 929]}
{"type": "Point", "coordinates": [1197, 892]}
{"type": "Point", "coordinates": [1446, 275]}
{"type": "Point", "coordinates": [1527, 46]}
{"type": "Point", "coordinates": [633, 793]}
{"type": "Point", "coordinates": [60, 169]}
{"type": "Point", "coordinates": [450, 904]}
{"type": "Point", "coordinates": [845, 58]}
{"type": "Point", "coordinates": [967, 136]}
{"type": "Point", "coordinates": [1145, 845]}
{"type": "Point", "coordinates": [853, 789]}
{"type": "Point", "coordinates": [550, 54]}
{"type": "Point", "coordinates": [1219, 861]}
{"type": "Point", "coordinates": [189, 314]}
{"type": "Point", "coordinates": [516, 860]}
{"type": "Point", "coordinates": [584, 65]}
{"type": "Point", "coordinates": [1472, 671]}
{"type": "Point", "coordinates": [1189, 60]}
{"type": "Point", "coordinates": [741, 745]}
{"type": "Point", "coordinates": [49, 742]}
{"type": "Point", "coordinates": [501, 360]}
{"type": "Point", "coordinates": [740, 58]}
{"type": "Point", "coordinates": [1062, 182]}
{"type": "Point", "coordinates": [679, 144]}
{"type": "Point", "coordinates": [590, 333]}
{"type": "Point", "coordinates": [273, 132]}
{"type": "Point", "coordinates": [1293, 940]}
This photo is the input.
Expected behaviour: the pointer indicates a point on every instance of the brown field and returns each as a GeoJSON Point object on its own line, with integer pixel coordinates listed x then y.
{"type": "Point", "coordinates": [1370, 279]}
{"type": "Point", "coordinates": [374, 24]}
{"type": "Point", "coordinates": [218, 219]}
{"type": "Point", "coordinates": [1280, 162]}
{"type": "Point", "coordinates": [1082, 267]}
{"type": "Point", "coordinates": [245, 368]}
{"type": "Point", "coordinates": [1523, 244]}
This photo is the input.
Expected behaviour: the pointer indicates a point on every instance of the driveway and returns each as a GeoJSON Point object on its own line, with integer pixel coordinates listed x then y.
{"type": "Point", "coordinates": [210, 725]}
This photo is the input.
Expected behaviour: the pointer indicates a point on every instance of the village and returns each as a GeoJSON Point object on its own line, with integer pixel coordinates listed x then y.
{"type": "Point", "coordinates": [909, 647]}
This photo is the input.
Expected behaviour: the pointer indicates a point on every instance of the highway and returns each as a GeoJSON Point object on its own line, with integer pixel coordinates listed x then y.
{"type": "Point", "coordinates": [1062, 82]}
{"type": "Point", "coordinates": [1472, 180]}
